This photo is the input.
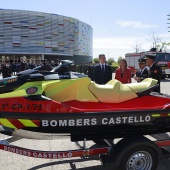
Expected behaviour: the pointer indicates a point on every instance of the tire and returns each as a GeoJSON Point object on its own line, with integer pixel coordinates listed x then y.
{"type": "Point", "coordinates": [140, 158]}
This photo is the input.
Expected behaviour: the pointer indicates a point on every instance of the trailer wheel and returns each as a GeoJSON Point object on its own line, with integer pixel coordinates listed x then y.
{"type": "Point", "coordinates": [140, 158]}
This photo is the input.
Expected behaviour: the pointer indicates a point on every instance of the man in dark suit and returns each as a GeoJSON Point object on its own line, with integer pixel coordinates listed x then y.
{"type": "Point", "coordinates": [155, 71]}
{"type": "Point", "coordinates": [142, 73]}
{"type": "Point", "coordinates": [102, 72]}
{"type": "Point", "coordinates": [90, 70]}
{"type": "Point", "coordinates": [6, 69]}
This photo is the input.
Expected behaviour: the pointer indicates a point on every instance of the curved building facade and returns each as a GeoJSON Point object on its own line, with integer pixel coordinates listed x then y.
{"type": "Point", "coordinates": [41, 35]}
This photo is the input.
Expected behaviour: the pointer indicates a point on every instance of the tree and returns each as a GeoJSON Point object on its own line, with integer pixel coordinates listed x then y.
{"type": "Point", "coordinates": [162, 47]}
{"type": "Point", "coordinates": [110, 61]}
{"type": "Point", "coordinates": [119, 58]}
{"type": "Point", "coordinates": [158, 44]}
{"type": "Point", "coordinates": [137, 47]}
{"type": "Point", "coordinates": [96, 60]}
{"type": "Point", "coordinates": [155, 40]}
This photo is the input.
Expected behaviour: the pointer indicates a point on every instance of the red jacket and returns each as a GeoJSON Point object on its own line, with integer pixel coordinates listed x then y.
{"type": "Point", "coordinates": [126, 78]}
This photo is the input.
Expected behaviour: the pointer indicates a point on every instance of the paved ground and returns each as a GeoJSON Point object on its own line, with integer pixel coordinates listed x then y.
{"type": "Point", "coordinates": [10, 161]}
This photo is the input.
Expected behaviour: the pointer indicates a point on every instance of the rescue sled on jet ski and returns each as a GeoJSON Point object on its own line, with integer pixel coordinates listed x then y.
{"type": "Point", "coordinates": [43, 105]}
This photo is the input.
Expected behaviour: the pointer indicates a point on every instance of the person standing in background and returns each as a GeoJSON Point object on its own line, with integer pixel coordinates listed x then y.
{"type": "Point", "coordinates": [155, 71]}
{"type": "Point", "coordinates": [123, 73]}
{"type": "Point", "coordinates": [6, 69]}
{"type": "Point", "coordinates": [102, 72]}
{"type": "Point", "coordinates": [142, 73]}
{"type": "Point", "coordinates": [90, 70]}
{"type": "Point", "coordinates": [21, 64]}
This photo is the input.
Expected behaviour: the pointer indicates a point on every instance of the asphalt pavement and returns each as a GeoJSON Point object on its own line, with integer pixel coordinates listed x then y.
{"type": "Point", "coordinates": [11, 161]}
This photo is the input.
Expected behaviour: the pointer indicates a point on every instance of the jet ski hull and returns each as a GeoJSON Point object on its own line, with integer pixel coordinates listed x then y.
{"type": "Point", "coordinates": [88, 120]}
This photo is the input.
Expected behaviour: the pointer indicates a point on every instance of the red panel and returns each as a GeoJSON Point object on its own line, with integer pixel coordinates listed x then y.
{"type": "Point", "coordinates": [21, 104]}
{"type": "Point", "coordinates": [141, 103]}
{"type": "Point", "coordinates": [53, 154]}
{"type": "Point", "coordinates": [7, 22]}
{"type": "Point", "coordinates": [163, 143]}
{"type": "Point", "coordinates": [168, 64]}
{"type": "Point", "coordinates": [37, 122]}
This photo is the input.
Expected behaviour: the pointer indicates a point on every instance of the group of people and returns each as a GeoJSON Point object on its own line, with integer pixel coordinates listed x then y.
{"type": "Point", "coordinates": [100, 73]}
{"type": "Point", "coordinates": [8, 68]}
{"type": "Point", "coordinates": [154, 71]}
{"type": "Point", "coordinates": [147, 68]}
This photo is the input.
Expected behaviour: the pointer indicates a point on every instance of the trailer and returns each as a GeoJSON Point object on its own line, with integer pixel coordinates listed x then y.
{"type": "Point", "coordinates": [129, 153]}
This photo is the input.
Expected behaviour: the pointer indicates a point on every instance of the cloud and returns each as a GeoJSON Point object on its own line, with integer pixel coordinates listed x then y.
{"type": "Point", "coordinates": [116, 42]}
{"type": "Point", "coordinates": [135, 24]}
{"type": "Point", "coordinates": [118, 46]}
{"type": "Point", "coordinates": [126, 42]}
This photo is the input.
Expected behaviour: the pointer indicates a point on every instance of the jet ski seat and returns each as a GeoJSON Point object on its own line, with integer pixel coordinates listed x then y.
{"type": "Point", "coordinates": [69, 89]}
{"type": "Point", "coordinates": [115, 92]}
{"type": "Point", "coordinates": [86, 90]}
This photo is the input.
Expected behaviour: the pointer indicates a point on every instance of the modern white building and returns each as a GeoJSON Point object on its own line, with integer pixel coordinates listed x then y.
{"type": "Point", "coordinates": [40, 35]}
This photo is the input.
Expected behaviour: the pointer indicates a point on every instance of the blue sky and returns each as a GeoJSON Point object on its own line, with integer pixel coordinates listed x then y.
{"type": "Point", "coordinates": [117, 25]}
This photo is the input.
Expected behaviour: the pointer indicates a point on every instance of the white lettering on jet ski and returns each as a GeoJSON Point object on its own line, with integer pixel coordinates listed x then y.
{"type": "Point", "coordinates": [71, 122]}
{"type": "Point", "coordinates": [123, 120]}
{"type": "Point", "coordinates": [95, 121]}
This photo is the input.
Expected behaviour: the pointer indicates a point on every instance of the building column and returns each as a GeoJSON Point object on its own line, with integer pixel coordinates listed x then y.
{"type": "Point", "coordinates": [42, 57]}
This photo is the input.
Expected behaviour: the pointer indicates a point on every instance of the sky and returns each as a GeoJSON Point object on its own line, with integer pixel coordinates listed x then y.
{"type": "Point", "coordinates": [118, 25]}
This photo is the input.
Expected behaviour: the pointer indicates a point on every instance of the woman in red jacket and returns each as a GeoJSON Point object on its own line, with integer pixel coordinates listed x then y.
{"type": "Point", "coordinates": [123, 73]}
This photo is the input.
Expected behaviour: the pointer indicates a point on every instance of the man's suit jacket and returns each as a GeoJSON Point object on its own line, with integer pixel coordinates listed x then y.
{"type": "Point", "coordinates": [6, 71]}
{"type": "Point", "coordinates": [102, 77]}
{"type": "Point", "coordinates": [155, 72]}
{"type": "Point", "coordinates": [143, 75]}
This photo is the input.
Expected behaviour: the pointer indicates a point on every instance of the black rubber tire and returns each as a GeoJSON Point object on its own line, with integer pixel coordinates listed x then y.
{"type": "Point", "coordinates": [128, 158]}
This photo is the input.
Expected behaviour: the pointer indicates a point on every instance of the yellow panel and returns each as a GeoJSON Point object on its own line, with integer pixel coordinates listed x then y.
{"type": "Point", "coordinates": [112, 92]}
{"type": "Point", "coordinates": [7, 123]}
{"type": "Point", "coordinates": [155, 115]}
{"type": "Point", "coordinates": [146, 83]}
{"type": "Point", "coordinates": [27, 123]}
{"type": "Point", "coordinates": [74, 89]}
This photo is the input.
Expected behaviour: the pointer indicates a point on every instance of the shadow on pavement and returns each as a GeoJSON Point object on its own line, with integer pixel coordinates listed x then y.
{"type": "Point", "coordinates": [72, 163]}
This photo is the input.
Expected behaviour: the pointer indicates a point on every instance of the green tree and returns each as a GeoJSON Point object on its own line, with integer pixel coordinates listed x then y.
{"type": "Point", "coordinates": [110, 61]}
{"type": "Point", "coordinates": [95, 60]}
{"type": "Point", "coordinates": [119, 58]}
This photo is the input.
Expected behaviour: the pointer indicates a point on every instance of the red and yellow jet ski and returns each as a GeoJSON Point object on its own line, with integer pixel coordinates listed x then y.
{"type": "Point", "coordinates": [39, 104]}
